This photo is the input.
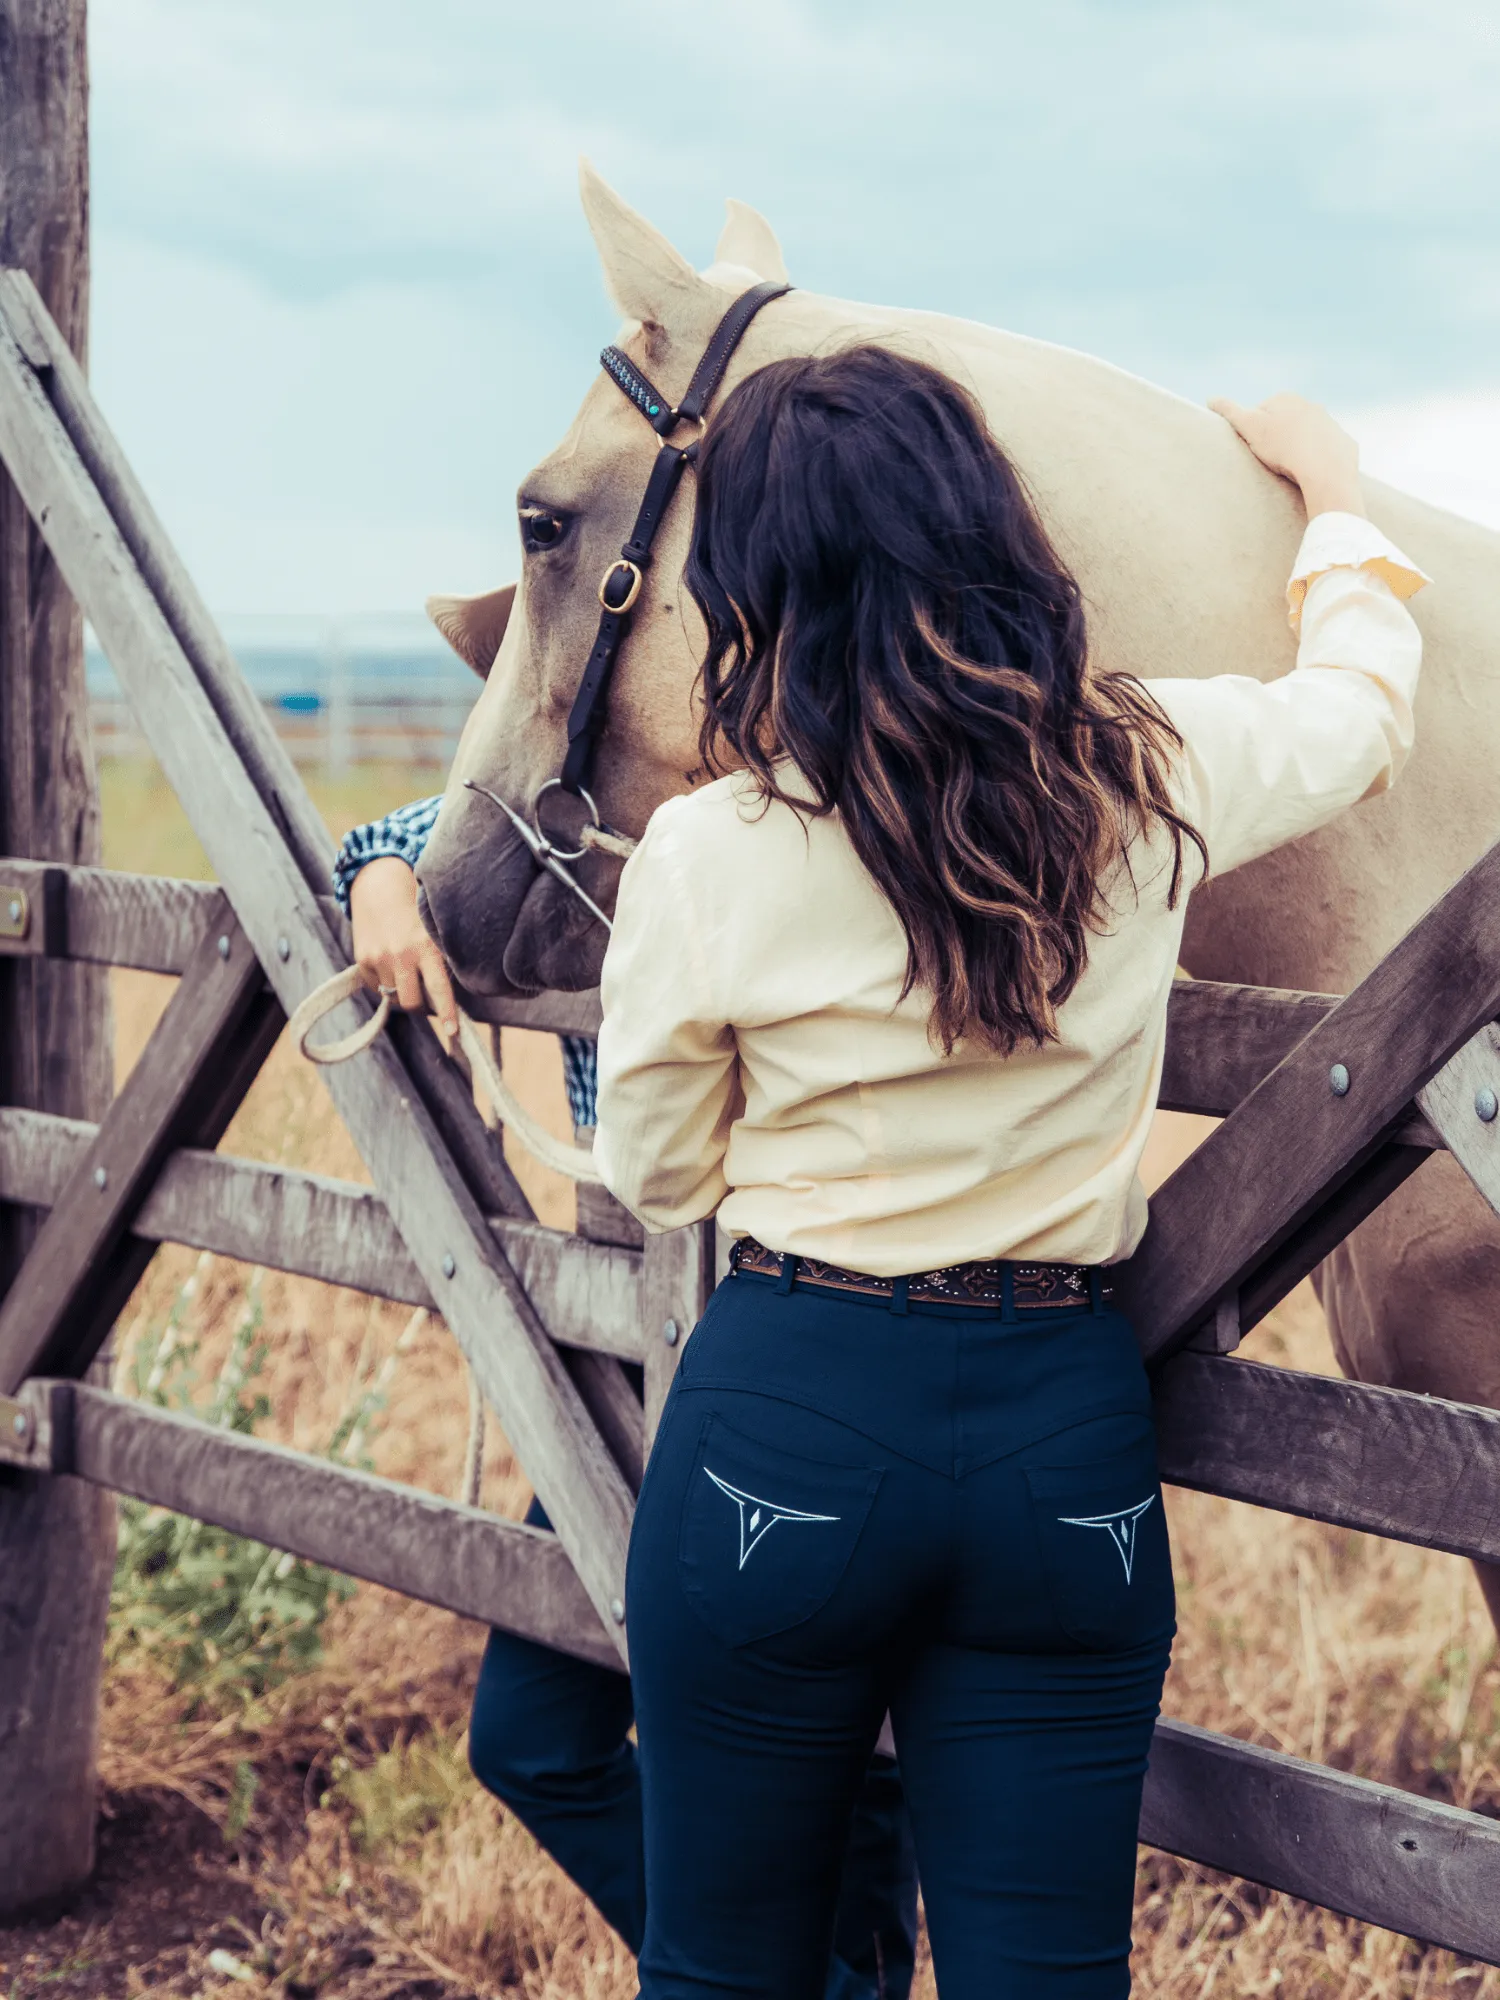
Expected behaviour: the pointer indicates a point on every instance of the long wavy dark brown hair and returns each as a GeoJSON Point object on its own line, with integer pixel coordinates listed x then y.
{"type": "Point", "coordinates": [885, 610]}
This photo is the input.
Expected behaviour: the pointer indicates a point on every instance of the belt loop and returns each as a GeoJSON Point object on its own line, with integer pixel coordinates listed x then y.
{"type": "Point", "coordinates": [788, 1272]}
{"type": "Point", "coordinates": [1008, 1293]}
{"type": "Point", "coordinates": [900, 1287]}
{"type": "Point", "coordinates": [1096, 1291]}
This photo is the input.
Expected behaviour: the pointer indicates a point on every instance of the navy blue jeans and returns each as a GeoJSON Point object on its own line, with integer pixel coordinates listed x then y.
{"type": "Point", "coordinates": [849, 1509]}
{"type": "Point", "coordinates": [549, 1735]}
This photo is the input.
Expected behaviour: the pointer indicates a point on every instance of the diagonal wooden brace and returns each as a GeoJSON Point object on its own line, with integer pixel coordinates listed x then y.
{"type": "Point", "coordinates": [206, 1050]}
{"type": "Point", "coordinates": [1223, 1040]}
{"type": "Point", "coordinates": [1317, 1134]}
{"type": "Point", "coordinates": [243, 720]}
{"type": "Point", "coordinates": [518, 1369]}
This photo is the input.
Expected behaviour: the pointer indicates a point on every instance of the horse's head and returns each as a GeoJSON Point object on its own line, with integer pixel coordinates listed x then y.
{"type": "Point", "coordinates": [503, 924]}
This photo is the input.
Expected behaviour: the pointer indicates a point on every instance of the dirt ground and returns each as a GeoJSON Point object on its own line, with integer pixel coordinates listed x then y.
{"type": "Point", "coordinates": [324, 1836]}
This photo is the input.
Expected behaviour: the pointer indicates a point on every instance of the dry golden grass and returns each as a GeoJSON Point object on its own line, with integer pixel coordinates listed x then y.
{"type": "Point", "coordinates": [380, 1869]}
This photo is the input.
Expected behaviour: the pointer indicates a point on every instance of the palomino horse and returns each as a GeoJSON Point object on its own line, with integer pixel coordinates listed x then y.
{"type": "Point", "coordinates": [1182, 544]}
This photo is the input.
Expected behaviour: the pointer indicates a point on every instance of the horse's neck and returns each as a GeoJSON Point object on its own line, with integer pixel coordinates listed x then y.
{"type": "Point", "coordinates": [1182, 543]}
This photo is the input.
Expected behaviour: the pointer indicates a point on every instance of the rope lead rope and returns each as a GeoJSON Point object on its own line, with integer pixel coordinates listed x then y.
{"type": "Point", "coordinates": [575, 1163]}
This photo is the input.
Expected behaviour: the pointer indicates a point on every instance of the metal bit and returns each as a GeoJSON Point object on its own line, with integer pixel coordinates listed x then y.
{"type": "Point", "coordinates": [543, 851]}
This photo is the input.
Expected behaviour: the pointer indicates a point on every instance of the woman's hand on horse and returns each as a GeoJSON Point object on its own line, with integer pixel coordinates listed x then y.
{"type": "Point", "coordinates": [1302, 442]}
{"type": "Point", "coordinates": [391, 946]}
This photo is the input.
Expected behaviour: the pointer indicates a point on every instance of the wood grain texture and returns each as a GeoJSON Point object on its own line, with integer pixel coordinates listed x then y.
{"type": "Point", "coordinates": [677, 1277]}
{"type": "Point", "coordinates": [1386, 1857]}
{"type": "Point", "coordinates": [61, 1304]}
{"type": "Point", "coordinates": [1455, 1103]}
{"type": "Point", "coordinates": [1413, 1468]}
{"type": "Point", "coordinates": [1249, 1184]}
{"type": "Point", "coordinates": [588, 1295]}
{"type": "Point", "coordinates": [1223, 1040]}
{"type": "Point", "coordinates": [152, 922]}
{"type": "Point", "coordinates": [462, 1558]}
{"type": "Point", "coordinates": [1300, 1252]}
{"type": "Point", "coordinates": [481, 1298]}
{"type": "Point", "coordinates": [56, 1539]}
{"type": "Point", "coordinates": [616, 1408]}
{"type": "Point", "coordinates": [602, 1219]}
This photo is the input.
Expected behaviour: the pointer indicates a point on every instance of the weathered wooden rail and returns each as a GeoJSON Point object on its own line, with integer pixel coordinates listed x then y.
{"type": "Point", "coordinates": [1371, 1085]}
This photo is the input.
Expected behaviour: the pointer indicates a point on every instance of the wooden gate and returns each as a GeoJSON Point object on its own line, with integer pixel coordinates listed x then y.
{"type": "Point", "coordinates": [1329, 1104]}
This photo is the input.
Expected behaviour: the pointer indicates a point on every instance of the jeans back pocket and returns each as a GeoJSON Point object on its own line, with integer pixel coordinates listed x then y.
{"type": "Point", "coordinates": [766, 1535]}
{"type": "Point", "coordinates": [1104, 1547]}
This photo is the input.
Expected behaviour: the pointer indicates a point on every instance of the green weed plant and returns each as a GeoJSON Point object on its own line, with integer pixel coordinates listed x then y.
{"type": "Point", "coordinates": [219, 1612]}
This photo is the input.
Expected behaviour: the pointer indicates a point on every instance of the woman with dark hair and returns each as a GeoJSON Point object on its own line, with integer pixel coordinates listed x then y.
{"type": "Point", "coordinates": [889, 997]}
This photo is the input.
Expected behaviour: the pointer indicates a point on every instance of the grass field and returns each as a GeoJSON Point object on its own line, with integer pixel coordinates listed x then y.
{"type": "Point", "coordinates": [321, 1835]}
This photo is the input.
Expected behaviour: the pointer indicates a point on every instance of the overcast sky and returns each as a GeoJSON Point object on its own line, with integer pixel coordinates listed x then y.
{"type": "Point", "coordinates": [344, 295]}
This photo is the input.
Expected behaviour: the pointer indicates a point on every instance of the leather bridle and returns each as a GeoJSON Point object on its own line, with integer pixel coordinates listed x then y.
{"type": "Point", "coordinates": [621, 585]}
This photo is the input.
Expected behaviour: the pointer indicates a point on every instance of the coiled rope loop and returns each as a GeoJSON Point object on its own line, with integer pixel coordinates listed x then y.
{"type": "Point", "coordinates": [575, 1163]}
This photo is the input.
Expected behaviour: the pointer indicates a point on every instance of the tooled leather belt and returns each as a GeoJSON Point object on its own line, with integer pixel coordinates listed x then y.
{"type": "Point", "coordinates": [1034, 1287]}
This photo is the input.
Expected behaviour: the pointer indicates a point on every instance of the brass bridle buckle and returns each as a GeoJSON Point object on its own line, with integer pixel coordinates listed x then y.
{"type": "Point", "coordinates": [637, 578]}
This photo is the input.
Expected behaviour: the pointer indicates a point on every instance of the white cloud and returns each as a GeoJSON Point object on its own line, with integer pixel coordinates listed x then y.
{"type": "Point", "coordinates": [344, 454]}
{"type": "Point", "coordinates": [345, 297]}
{"type": "Point", "coordinates": [1445, 449]}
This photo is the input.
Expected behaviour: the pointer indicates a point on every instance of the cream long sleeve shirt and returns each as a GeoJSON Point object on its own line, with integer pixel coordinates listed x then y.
{"type": "Point", "coordinates": [755, 1059]}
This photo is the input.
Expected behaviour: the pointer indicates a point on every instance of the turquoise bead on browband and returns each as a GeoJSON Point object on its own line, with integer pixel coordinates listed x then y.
{"type": "Point", "coordinates": [626, 376]}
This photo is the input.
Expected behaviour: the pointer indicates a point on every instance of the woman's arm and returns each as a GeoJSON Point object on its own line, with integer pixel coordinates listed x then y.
{"type": "Point", "coordinates": [1267, 762]}
{"type": "Point", "coordinates": [668, 1068]}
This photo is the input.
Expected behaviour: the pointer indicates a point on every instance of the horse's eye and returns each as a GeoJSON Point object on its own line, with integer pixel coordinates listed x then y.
{"type": "Point", "coordinates": [541, 529]}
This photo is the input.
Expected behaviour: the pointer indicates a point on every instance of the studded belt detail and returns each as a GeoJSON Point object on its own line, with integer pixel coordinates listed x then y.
{"type": "Point", "coordinates": [1035, 1287]}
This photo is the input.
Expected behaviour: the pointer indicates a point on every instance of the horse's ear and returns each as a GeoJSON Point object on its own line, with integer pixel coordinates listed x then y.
{"type": "Point", "coordinates": [647, 279]}
{"type": "Point", "coordinates": [474, 626]}
{"type": "Point", "coordinates": [750, 241]}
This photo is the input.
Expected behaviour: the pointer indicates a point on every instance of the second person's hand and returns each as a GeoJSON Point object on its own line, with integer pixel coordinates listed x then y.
{"type": "Point", "coordinates": [392, 946]}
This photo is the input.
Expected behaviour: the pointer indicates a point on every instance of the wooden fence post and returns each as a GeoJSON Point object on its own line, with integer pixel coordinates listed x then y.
{"type": "Point", "coordinates": [56, 1535]}
{"type": "Point", "coordinates": [677, 1276]}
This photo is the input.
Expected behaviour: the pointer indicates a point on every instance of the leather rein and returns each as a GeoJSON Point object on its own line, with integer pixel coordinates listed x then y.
{"type": "Point", "coordinates": [621, 585]}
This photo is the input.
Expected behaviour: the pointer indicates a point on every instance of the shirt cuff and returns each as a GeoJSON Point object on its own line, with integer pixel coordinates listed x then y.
{"type": "Point", "coordinates": [1348, 541]}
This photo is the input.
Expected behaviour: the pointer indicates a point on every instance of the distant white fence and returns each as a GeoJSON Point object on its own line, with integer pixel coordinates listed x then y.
{"type": "Point", "coordinates": [423, 728]}
{"type": "Point", "coordinates": [365, 691]}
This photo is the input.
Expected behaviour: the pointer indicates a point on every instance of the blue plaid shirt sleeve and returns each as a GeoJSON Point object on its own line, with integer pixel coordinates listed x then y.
{"type": "Point", "coordinates": [402, 833]}
{"type": "Point", "coordinates": [581, 1075]}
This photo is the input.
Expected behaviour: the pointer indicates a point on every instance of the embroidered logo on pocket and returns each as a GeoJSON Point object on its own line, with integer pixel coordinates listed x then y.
{"type": "Point", "coordinates": [759, 1517]}
{"type": "Point", "coordinates": [1120, 1526]}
